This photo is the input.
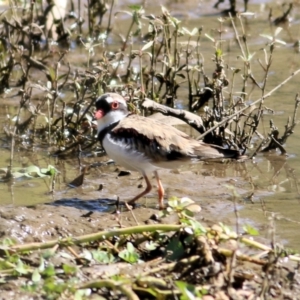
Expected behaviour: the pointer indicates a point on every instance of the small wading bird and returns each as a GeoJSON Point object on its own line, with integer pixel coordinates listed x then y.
{"type": "Point", "coordinates": [147, 145]}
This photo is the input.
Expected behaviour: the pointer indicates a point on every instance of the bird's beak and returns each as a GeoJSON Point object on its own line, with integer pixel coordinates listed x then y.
{"type": "Point", "coordinates": [99, 114]}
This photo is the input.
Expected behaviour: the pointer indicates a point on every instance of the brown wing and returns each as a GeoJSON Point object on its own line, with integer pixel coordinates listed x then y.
{"type": "Point", "coordinates": [160, 141]}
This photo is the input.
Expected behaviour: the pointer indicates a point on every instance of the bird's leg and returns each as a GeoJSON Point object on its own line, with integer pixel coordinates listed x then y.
{"type": "Point", "coordinates": [146, 191]}
{"type": "Point", "coordinates": [161, 191]}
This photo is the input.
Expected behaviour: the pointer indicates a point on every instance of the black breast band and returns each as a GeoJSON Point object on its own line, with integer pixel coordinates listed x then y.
{"type": "Point", "coordinates": [104, 131]}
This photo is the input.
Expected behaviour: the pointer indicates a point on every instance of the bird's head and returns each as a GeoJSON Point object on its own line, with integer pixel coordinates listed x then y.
{"type": "Point", "coordinates": [110, 108]}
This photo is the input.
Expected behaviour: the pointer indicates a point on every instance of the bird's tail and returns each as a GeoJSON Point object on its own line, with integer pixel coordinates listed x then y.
{"type": "Point", "coordinates": [209, 151]}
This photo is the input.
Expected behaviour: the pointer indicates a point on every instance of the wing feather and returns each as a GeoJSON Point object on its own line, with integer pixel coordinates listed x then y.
{"type": "Point", "coordinates": [161, 142]}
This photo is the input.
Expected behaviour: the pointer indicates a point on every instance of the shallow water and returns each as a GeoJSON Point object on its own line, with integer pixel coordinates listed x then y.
{"type": "Point", "coordinates": [273, 179]}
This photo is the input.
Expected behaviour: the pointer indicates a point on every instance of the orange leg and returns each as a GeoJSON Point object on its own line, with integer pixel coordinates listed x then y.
{"type": "Point", "coordinates": [161, 191]}
{"type": "Point", "coordinates": [146, 191]}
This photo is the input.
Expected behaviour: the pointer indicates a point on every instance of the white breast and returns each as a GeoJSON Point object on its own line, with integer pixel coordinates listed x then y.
{"type": "Point", "coordinates": [127, 157]}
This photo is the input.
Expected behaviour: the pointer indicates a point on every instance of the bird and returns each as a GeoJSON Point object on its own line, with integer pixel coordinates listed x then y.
{"type": "Point", "coordinates": [146, 145]}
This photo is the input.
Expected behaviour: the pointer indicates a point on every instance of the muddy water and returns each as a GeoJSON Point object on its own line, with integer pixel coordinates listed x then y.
{"type": "Point", "coordinates": [273, 180]}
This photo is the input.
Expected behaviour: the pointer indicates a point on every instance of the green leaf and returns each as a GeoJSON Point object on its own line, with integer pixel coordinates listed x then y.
{"type": "Point", "coordinates": [49, 171]}
{"type": "Point", "coordinates": [175, 22]}
{"type": "Point", "coordinates": [34, 171]}
{"type": "Point", "coordinates": [247, 14]}
{"type": "Point", "coordinates": [124, 12]}
{"type": "Point", "coordinates": [51, 286]}
{"type": "Point", "coordinates": [48, 253]}
{"type": "Point", "coordinates": [36, 276]}
{"type": "Point", "coordinates": [103, 256]}
{"type": "Point", "coordinates": [78, 86]}
{"type": "Point", "coordinates": [277, 31]}
{"type": "Point", "coordinates": [175, 248]}
{"type": "Point", "coordinates": [62, 76]}
{"type": "Point", "coordinates": [198, 228]}
{"type": "Point", "coordinates": [185, 30]}
{"type": "Point", "coordinates": [7, 242]}
{"type": "Point", "coordinates": [235, 71]}
{"type": "Point", "coordinates": [135, 7]}
{"type": "Point", "coordinates": [148, 45]}
{"type": "Point", "coordinates": [225, 228]}
{"type": "Point", "coordinates": [21, 268]}
{"type": "Point", "coordinates": [180, 75]}
{"type": "Point", "coordinates": [31, 287]}
{"type": "Point", "coordinates": [130, 247]}
{"type": "Point", "coordinates": [52, 73]}
{"type": "Point", "coordinates": [173, 202]}
{"type": "Point", "coordinates": [194, 31]}
{"type": "Point", "coordinates": [69, 270]}
{"type": "Point", "coordinates": [251, 55]}
{"type": "Point", "coordinates": [185, 201]}
{"type": "Point", "coordinates": [129, 254]}
{"type": "Point", "coordinates": [209, 37]}
{"type": "Point", "coordinates": [165, 11]}
{"type": "Point", "coordinates": [219, 53]}
{"type": "Point", "coordinates": [280, 42]}
{"type": "Point", "coordinates": [137, 32]}
{"type": "Point", "coordinates": [49, 271]}
{"type": "Point", "coordinates": [269, 37]}
{"type": "Point", "coordinates": [31, 172]}
{"type": "Point", "coordinates": [189, 291]}
{"type": "Point", "coordinates": [42, 265]}
{"type": "Point", "coordinates": [250, 230]}
{"type": "Point", "coordinates": [190, 33]}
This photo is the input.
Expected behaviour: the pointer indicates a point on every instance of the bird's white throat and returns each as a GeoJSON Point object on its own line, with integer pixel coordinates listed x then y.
{"type": "Point", "coordinates": [110, 118]}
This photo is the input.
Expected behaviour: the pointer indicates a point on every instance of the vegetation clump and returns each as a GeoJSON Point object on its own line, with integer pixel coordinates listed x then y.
{"type": "Point", "coordinates": [182, 259]}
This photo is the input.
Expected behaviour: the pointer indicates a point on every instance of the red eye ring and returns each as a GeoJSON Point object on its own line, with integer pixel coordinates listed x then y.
{"type": "Point", "coordinates": [115, 105]}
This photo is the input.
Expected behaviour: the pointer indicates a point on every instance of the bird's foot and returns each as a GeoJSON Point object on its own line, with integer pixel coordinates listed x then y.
{"type": "Point", "coordinates": [161, 206]}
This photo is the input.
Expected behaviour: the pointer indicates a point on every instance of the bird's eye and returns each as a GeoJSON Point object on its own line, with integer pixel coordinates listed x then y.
{"type": "Point", "coordinates": [115, 105]}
